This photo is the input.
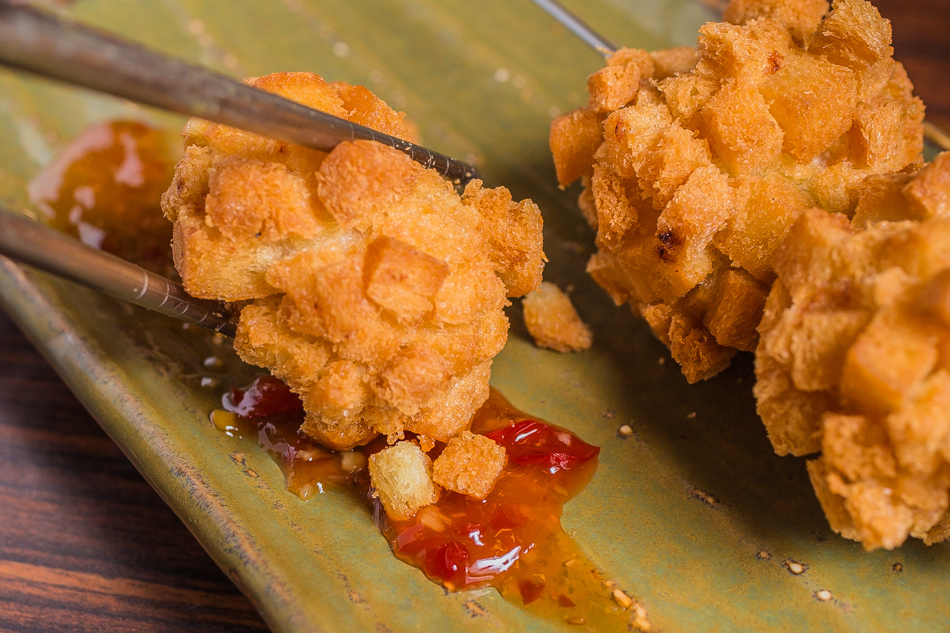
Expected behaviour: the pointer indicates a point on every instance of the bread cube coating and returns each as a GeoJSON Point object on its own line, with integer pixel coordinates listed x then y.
{"type": "Point", "coordinates": [853, 361]}
{"type": "Point", "coordinates": [365, 281]}
{"type": "Point", "coordinates": [470, 465]}
{"type": "Point", "coordinates": [697, 173]}
{"type": "Point", "coordinates": [401, 476]}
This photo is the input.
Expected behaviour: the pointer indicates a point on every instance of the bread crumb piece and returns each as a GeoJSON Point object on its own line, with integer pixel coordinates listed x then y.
{"type": "Point", "coordinates": [402, 478]}
{"type": "Point", "coordinates": [625, 431]}
{"type": "Point", "coordinates": [794, 567]}
{"type": "Point", "coordinates": [622, 598]}
{"type": "Point", "coordinates": [553, 321]}
{"type": "Point", "coordinates": [639, 621]}
{"type": "Point", "coordinates": [470, 464]}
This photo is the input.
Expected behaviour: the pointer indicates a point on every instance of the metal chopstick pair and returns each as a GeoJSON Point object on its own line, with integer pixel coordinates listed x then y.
{"type": "Point", "coordinates": [41, 43]}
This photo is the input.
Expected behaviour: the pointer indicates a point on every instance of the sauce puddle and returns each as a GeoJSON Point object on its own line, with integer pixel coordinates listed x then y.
{"type": "Point", "coordinates": [512, 540]}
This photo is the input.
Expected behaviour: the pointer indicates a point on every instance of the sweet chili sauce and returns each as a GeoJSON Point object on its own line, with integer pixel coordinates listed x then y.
{"type": "Point", "coordinates": [512, 540]}
{"type": "Point", "coordinates": [105, 188]}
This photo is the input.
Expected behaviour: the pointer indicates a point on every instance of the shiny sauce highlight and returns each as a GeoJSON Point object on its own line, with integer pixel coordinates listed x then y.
{"type": "Point", "coordinates": [512, 540]}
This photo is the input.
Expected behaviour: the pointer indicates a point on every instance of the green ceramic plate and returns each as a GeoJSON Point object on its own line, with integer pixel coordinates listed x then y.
{"type": "Point", "coordinates": [693, 515]}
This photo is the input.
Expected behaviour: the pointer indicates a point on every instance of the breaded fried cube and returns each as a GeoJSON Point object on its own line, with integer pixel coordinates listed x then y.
{"type": "Point", "coordinates": [853, 362]}
{"type": "Point", "coordinates": [401, 476]}
{"type": "Point", "coordinates": [801, 17]}
{"type": "Point", "coordinates": [552, 320]}
{"type": "Point", "coordinates": [366, 282]}
{"type": "Point", "coordinates": [470, 465]}
{"type": "Point", "coordinates": [698, 178]}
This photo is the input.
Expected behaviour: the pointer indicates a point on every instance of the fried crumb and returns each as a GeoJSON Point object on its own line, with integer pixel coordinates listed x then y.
{"type": "Point", "coordinates": [470, 464]}
{"type": "Point", "coordinates": [794, 567]}
{"type": "Point", "coordinates": [621, 598]}
{"type": "Point", "coordinates": [401, 476]}
{"type": "Point", "coordinates": [625, 431]}
{"type": "Point", "coordinates": [552, 320]}
{"type": "Point", "coordinates": [639, 620]}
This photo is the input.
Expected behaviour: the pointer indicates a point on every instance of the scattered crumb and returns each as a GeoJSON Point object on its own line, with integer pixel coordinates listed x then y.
{"type": "Point", "coordinates": [553, 321]}
{"type": "Point", "coordinates": [794, 567]}
{"type": "Point", "coordinates": [691, 416]}
{"type": "Point", "coordinates": [823, 595]}
{"type": "Point", "coordinates": [625, 431]}
{"type": "Point", "coordinates": [898, 567]}
{"type": "Point", "coordinates": [705, 497]}
{"type": "Point", "coordinates": [763, 554]}
{"type": "Point", "coordinates": [474, 609]}
{"type": "Point", "coordinates": [622, 598]}
{"type": "Point", "coordinates": [661, 360]}
{"type": "Point", "coordinates": [575, 620]}
{"type": "Point", "coordinates": [639, 620]}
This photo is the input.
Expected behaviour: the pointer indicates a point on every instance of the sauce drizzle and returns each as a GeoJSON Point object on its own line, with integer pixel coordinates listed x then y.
{"type": "Point", "coordinates": [512, 540]}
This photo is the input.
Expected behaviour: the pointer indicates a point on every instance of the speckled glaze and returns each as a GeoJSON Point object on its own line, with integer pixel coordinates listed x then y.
{"type": "Point", "coordinates": [692, 514]}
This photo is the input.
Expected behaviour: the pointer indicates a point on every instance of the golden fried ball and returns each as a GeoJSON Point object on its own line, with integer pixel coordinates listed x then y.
{"type": "Point", "coordinates": [854, 358]}
{"type": "Point", "coordinates": [696, 162]}
{"type": "Point", "coordinates": [367, 283]}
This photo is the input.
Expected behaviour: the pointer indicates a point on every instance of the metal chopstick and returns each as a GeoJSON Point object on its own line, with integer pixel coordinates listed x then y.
{"type": "Point", "coordinates": [578, 27]}
{"type": "Point", "coordinates": [39, 42]}
{"type": "Point", "coordinates": [592, 38]}
{"type": "Point", "coordinates": [32, 243]}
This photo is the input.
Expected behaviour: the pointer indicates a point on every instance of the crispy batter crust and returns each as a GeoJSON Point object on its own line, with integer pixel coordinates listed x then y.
{"type": "Point", "coordinates": [367, 283]}
{"type": "Point", "coordinates": [695, 166]}
{"type": "Point", "coordinates": [854, 359]}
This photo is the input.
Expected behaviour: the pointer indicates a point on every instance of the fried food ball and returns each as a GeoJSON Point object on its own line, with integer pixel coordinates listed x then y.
{"type": "Point", "coordinates": [695, 163]}
{"type": "Point", "coordinates": [854, 359]}
{"type": "Point", "coordinates": [365, 281]}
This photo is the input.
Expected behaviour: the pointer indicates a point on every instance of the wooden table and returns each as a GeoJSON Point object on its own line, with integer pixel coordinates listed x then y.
{"type": "Point", "coordinates": [85, 544]}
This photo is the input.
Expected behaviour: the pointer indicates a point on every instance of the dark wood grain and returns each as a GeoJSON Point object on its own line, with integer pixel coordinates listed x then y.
{"type": "Point", "coordinates": [86, 545]}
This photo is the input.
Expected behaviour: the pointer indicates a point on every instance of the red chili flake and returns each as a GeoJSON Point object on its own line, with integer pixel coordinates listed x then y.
{"type": "Point", "coordinates": [530, 590]}
{"type": "Point", "coordinates": [447, 561]}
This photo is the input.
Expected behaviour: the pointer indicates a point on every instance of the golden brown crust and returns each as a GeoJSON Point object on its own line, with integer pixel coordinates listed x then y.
{"type": "Point", "coordinates": [854, 361]}
{"type": "Point", "coordinates": [552, 320]}
{"type": "Point", "coordinates": [702, 169]}
{"type": "Point", "coordinates": [370, 286]}
{"type": "Point", "coordinates": [470, 465]}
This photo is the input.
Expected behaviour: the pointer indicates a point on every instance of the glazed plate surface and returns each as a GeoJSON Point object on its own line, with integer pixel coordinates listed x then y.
{"type": "Point", "coordinates": [693, 515]}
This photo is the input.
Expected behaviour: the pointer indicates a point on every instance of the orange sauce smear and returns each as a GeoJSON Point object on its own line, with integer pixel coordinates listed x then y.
{"type": "Point", "coordinates": [512, 540]}
{"type": "Point", "coordinates": [105, 188]}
